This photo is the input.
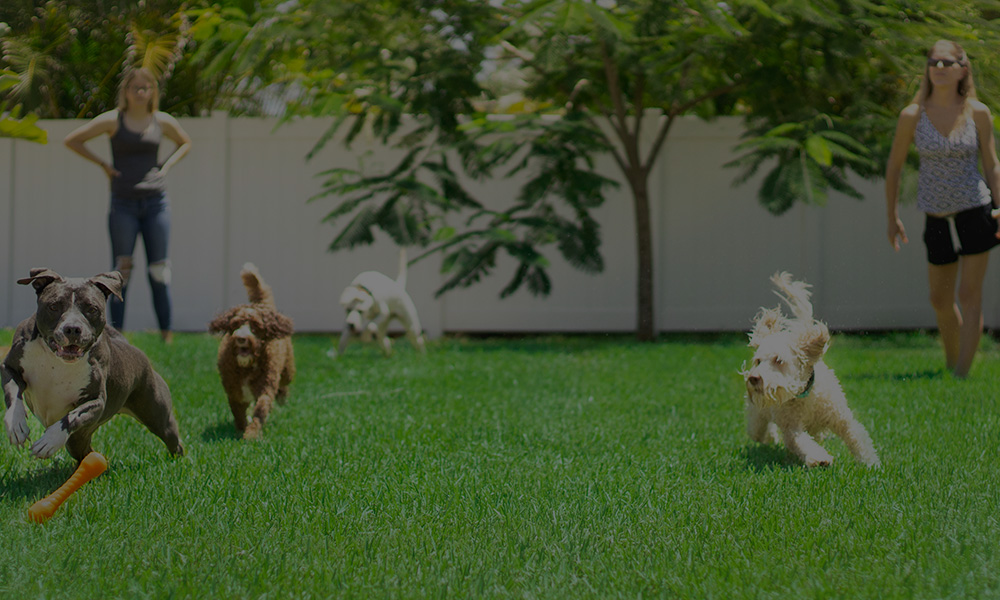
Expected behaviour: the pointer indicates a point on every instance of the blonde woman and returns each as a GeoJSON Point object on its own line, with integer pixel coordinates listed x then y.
{"type": "Point", "coordinates": [953, 133]}
{"type": "Point", "coordinates": [139, 204]}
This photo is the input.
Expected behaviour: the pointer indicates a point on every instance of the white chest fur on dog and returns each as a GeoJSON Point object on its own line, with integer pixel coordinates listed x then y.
{"type": "Point", "coordinates": [53, 385]}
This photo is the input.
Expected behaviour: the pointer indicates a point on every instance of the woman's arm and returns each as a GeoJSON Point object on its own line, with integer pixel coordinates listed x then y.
{"type": "Point", "coordinates": [988, 154]}
{"type": "Point", "coordinates": [101, 124]}
{"type": "Point", "coordinates": [173, 130]}
{"type": "Point", "coordinates": [987, 149]}
{"type": "Point", "coordinates": [905, 128]}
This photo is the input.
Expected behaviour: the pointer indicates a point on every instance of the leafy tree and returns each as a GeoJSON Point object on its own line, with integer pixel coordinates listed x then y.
{"type": "Point", "coordinates": [819, 83]}
{"type": "Point", "coordinates": [69, 54]}
{"type": "Point", "coordinates": [420, 87]}
{"type": "Point", "coordinates": [12, 124]}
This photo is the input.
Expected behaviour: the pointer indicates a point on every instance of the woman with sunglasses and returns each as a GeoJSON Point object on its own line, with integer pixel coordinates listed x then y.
{"type": "Point", "coordinates": [953, 133]}
{"type": "Point", "coordinates": [139, 202]}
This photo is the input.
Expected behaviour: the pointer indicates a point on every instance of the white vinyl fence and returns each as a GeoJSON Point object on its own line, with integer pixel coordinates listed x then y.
{"type": "Point", "coordinates": [240, 195]}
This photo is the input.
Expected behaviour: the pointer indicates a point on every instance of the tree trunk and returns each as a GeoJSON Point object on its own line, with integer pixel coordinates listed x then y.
{"type": "Point", "coordinates": [646, 326]}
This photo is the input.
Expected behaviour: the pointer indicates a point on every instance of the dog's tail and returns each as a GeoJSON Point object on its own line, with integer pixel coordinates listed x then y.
{"type": "Point", "coordinates": [257, 291]}
{"type": "Point", "coordinates": [401, 278]}
{"type": "Point", "coordinates": [796, 295]}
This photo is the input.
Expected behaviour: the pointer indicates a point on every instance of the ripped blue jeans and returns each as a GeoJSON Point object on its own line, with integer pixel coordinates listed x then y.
{"type": "Point", "coordinates": [150, 217]}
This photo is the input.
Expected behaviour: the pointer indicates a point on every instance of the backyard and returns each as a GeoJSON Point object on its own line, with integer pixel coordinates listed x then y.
{"type": "Point", "coordinates": [536, 467]}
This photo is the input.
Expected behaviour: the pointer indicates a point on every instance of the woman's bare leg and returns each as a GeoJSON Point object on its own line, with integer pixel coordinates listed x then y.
{"type": "Point", "coordinates": [943, 279]}
{"type": "Point", "coordinates": [970, 300]}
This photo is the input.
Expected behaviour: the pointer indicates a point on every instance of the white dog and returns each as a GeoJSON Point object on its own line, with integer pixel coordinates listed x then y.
{"type": "Point", "coordinates": [371, 301]}
{"type": "Point", "coordinates": [789, 387]}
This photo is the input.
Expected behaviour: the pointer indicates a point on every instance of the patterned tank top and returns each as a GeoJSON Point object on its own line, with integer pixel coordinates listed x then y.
{"type": "Point", "coordinates": [948, 180]}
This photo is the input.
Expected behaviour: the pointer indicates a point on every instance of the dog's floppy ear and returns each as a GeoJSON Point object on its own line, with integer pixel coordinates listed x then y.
{"type": "Point", "coordinates": [351, 297]}
{"type": "Point", "coordinates": [276, 325]}
{"type": "Point", "coordinates": [221, 323]}
{"type": "Point", "coordinates": [109, 283]}
{"type": "Point", "coordinates": [813, 342]}
{"type": "Point", "coordinates": [40, 277]}
{"type": "Point", "coordinates": [767, 321]}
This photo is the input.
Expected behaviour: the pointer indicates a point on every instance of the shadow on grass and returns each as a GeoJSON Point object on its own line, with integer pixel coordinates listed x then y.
{"type": "Point", "coordinates": [39, 483]}
{"type": "Point", "coordinates": [42, 481]}
{"type": "Point", "coordinates": [34, 485]}
{"type": "Point", "coordinates": [222, 431]}
{"type": "Point", "coordinates": [761, 457]}
{"type": "Point", "coordinates": [529, 343]}
{"type": "Point", "coordinates": [926, 374]}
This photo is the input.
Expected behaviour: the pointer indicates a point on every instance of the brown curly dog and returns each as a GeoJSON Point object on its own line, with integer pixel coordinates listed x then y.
{"type": "Point", "coordinates": [256, 360]}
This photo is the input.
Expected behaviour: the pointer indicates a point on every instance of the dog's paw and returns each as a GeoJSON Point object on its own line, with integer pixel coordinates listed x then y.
{"type": "Point", "coordinates": [819, 460]}
{"type": "Point", "coordinates": [253, 431]}
{"type": "Point", "coordinates": [773, 435]}
{"type": "Point", "coordinates": [872, 461]}
{"type": "Point", "coordinates": [16, 422]}
{"type": "Point", "coordinates": [52, 441]}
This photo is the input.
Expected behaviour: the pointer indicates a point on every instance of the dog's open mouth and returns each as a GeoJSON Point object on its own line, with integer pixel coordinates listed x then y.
{"type": "Point", "coordinates": [68, 353]}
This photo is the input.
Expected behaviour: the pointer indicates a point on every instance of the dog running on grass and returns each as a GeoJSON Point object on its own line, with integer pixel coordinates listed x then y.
{"type": "Point", "coordinates": [256, 360]}
{"type": "Point", "coordinates": [791, 390]}
{"type": "Point", "coordinates": [74, 372]}
{"type": "Point", "coordinates": [371, 302]}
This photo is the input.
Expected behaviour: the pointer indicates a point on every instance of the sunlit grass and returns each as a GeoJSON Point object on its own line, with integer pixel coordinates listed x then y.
{"type": "Point", "coordinates": [578, 467]}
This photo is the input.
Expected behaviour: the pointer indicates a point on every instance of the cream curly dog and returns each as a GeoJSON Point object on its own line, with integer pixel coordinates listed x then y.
{"type": "Point", "coordinates": [791, 390]}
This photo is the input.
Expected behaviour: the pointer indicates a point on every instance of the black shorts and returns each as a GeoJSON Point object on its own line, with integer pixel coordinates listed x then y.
{"type": "Point", "coordinates": [976, 231]}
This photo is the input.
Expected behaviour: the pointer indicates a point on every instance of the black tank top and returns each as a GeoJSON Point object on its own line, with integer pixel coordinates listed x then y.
{"type": "Point", "coordinates": [134, 154]}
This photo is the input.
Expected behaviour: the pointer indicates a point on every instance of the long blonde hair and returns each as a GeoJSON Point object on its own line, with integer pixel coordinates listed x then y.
{"type": "Point", "coordinates": [966, 85]}
{"type": "Point", "coordinates": [154, 88]}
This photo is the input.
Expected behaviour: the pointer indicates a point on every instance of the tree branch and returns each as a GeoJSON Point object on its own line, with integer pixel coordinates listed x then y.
{"type": "Point", "coordinates": [614, 151]}
{"type": "Point", "coordinates": [661, 136]}
{"type": "Point", "coordinates": [632, 159]}
{"type": "Point", "coordinates": [639, 106]}
{"type": "Point", "coordinates": [679, 109]}
{"type": "Point", "coordinates": [614, 89]}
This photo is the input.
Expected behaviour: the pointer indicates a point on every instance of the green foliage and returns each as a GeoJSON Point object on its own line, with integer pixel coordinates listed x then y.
{"type": "Point", "coordinates": [838, 74]}
{"type": "Point", "coordinates": [415, 202]}
{"type": "Point", "coordinates": [415, 89]}
{"type": "Point", "coordinates": [806, 158]}
{"type": "Point", "coordinates": [12, 124]}
{"type": "Point", "coordinates": [69, 55]}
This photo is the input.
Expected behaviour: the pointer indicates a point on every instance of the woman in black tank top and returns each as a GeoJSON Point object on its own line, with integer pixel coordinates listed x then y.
{"type": "Point", "coordinates": [139, 203]}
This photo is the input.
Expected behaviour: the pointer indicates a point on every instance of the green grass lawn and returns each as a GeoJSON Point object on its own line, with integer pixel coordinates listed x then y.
{"type": "Point", "coordinates": [580, 467]}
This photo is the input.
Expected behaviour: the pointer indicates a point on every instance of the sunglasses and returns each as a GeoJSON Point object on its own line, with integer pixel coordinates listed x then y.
{"type": "Point", "coordinates": [944, 63]}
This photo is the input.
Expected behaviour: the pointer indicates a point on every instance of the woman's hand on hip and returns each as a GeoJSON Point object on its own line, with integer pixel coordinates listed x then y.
{"type": "Point", "coordinates": [110, 171]}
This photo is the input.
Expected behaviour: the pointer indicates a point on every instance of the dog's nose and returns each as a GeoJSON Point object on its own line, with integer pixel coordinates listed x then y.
{"type": "Point", "coordinates": [72, 332]}
{"type": "Point", "coordinates": [754, 380]}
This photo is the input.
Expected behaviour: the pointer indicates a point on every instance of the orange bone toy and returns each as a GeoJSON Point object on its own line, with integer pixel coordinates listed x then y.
{"type": "Point", "coordinates": [90, 467]}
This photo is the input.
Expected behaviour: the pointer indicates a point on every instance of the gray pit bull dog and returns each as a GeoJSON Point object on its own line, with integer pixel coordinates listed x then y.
{"type": "Point", "coordinates": [74, 373]}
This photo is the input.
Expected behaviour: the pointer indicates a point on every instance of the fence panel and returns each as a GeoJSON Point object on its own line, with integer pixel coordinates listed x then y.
{"type": "Point", "coordinates": [241, 195]}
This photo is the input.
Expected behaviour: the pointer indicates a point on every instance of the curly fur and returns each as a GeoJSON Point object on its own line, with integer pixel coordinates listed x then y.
{"type": "Point", "coordinates": [790, 390]}
{"type": "Point", "coordinates": [256, 360]}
